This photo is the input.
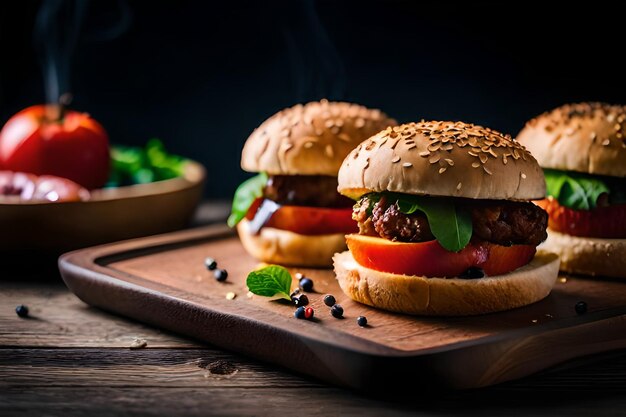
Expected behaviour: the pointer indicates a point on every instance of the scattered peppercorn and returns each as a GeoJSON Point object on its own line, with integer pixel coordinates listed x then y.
{"type": "Point", "coordinates": [361, 321]}
{"type": "Point", "coordinates": [580, 307]}
{"type": "Point", "coordinates": [220, 275]}
{"type": "Point", "coordinates": [210, 263]}
{"type": "Point", "coordinates": [308, 313]}
{"type": "Point", "coordinates": [300, 300]}
{"type": "Point", "coordinates": [473, 272]}
{"type": "Point", "coordinates": [337, 311]}
{"type": "Point", "coordinates": [294, 293]}
{"type": "Point", "coordinates": [21, 310]}
{"type": "Point", "coordinates": [299, 313]}
{"type": "Point", "coordinates": [306, 284]}
{"type": "Point", "coordinates": [329, 300]}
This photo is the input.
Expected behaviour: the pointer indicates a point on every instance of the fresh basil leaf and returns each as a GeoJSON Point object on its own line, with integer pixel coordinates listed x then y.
{"type": "Point", "coordinates": [270, 281]}
{"type": "Point", "coordinates": [574, 190]}
{"type": "Point", "coordinates": [246, 193]}
{"type": "Point", "coordinates": [451, 225]}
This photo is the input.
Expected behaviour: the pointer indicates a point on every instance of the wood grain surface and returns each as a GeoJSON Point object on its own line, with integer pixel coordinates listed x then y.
{"type": "Point", "coordinates": [163, 281]}
{"type": "Point", "coordinates": [74, 360]}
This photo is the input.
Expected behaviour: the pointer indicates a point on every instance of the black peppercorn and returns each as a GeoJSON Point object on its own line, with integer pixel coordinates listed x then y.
{"type": "Point", "coordinates": [210, 263]}
{"type": "Point", "coordinates": [337, 311]}
{"type": "Point", "coordinates": [361, 321]}
{"type": "Point", "coordinates": [300, 300]}
{"type": "Point", "coordinates": [21, 310]}
{"type": "Point", "coordinates": [329, 300]}
{"type": "Point", "coordinates": [580, 307]}
{"type": "Point", "coordinates": [306, 284]}
{"type": "Point", "coordinates": [220, 275]}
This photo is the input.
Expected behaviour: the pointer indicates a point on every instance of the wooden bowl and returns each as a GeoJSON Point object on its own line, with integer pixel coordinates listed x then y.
{"type": "Point", "coordinates": [111, 214]}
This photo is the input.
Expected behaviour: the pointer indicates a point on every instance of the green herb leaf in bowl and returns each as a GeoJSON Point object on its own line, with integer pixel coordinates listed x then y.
{"type": "Point", "coordinates": [135, 165]}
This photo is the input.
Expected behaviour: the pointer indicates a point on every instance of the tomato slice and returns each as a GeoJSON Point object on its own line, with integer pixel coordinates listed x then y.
{"type": "Point", "coordinates": [603, 222]}
{"type": "Point", "coordinates": [309, 220]}
{"type": "Point", "coordinates": [430, 259]}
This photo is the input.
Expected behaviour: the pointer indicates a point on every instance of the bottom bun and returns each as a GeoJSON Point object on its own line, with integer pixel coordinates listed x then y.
{"type": "Point", "coordinates": [443, 296]}
{"type": "Point", "coordinates": [283, 247]}
{"type": "Point", "coordinates": [588, 255]}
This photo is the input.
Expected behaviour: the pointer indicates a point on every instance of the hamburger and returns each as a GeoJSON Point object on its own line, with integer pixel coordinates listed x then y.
{"type": "Point", "coordinates": [582, 149]}
{"type": "Point", "coordinates": [446, 226]}
{"type": "Point", "coordinates": [291, 212]}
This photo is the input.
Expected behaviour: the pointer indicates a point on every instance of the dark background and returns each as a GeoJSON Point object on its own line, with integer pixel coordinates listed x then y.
{"type": "Point", "coordinates": [202, 75]}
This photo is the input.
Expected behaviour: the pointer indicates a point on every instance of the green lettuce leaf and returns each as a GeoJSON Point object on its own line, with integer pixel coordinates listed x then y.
{"type": "Point", "coordinates": [245, 195]}
{"type": "Point", "coordinates": [574, 190]}
{"type": "Point", "coordinates": [450, 224]}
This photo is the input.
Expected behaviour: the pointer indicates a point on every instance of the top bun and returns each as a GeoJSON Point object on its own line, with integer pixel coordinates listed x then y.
{"type": "Point", "coordinates": [453, 159]}
{"type": "Point", "coordinates": [584, 137]}
{"type": "Point", "coordinates": [310, 139]}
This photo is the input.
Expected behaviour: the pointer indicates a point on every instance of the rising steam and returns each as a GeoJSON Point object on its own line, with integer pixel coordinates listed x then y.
{"type": "Point", "coordinates": [58, 29]}
{"type": "Point", "coordinates": [317, 69]}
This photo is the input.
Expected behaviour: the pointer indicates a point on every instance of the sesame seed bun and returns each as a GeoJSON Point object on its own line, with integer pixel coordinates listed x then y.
{"type": "Point", "coordinates": [447, 297]}
{"type": "Point", "coordinates": [283, 247]}
{"type": "Point", "coordinates": [436, 158]}
{"type": "Point", "coordinates": [584, 137]}
{"type": "Point", "coordinates": [586, 255]}
{"type": "Point", "coordinates": [310, 139]}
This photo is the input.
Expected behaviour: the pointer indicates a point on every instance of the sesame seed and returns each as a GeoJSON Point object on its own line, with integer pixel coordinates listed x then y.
{"type": "Point", "coordinates": [344, 137]}
{"type": "Point", "coordinates": [523, 176]}
{"type": "Point", "coordinates": [395, 159]}
{"type": "Point", "coordinates": [287, 146]}
{"type": "Point", "coordinates": [442, 170]}
{"type": "Point", "coordinates": [458, 186]}
{"type": "Point", "coordinates": [492, 153]}
{"type": "Point", "coordinates": [483, 158]}
{"type": "Point", "coordinates": [434, 159]}
{"type": "Point", "coordinates": [449, 161]}
{"type": "Point", "coordinates": [434, 147]}
{"type": "Point", "coordinates": [593, 136]}
{"type": "Point", "coordinates": [472, 153]}
{"type": "Point", "coordinates": [231, 295]}
{"type": "Point", "coordinates": [308, 145]}
{"type": "Point", "coordinates": [330, 151]}
{"type": "Point", "coordinates": [475, 165]}
{"type": "Point", "coordinates": [407, 164]}
{"type": "Point", "coordinates": [487, 170]}
{"type": "Point", "coordinates": [424, 154]}
{"type": "Point", "coordinates": [617, 127]}
{"type": "Point", "coordinates": [504, 160]}
{"type": "Point", "coordinates": [359, 123]}
{"type": "Point", "coordinates": [606, 142]}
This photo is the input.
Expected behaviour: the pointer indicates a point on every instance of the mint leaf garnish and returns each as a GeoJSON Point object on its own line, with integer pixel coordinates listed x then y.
{"type": "Point", "coordinates": [270, 281]}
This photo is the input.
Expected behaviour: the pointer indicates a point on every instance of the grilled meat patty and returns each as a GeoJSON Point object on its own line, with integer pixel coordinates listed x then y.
{"type": "Point", "coordinates": [501, 222]}
{"type": "Point", "coordinates": [305, 190]}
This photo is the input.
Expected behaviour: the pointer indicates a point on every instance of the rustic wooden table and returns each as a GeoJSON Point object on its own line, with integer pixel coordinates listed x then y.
{"type": "Point", "coordinates": [70, 359]}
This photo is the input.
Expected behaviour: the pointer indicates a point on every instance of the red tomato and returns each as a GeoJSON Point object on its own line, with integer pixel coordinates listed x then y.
{"type": "Point", "coordinates": [430, 259]}
{"type": "Point", "coordinates": [604, 222]}
{"type": "Point", "coordinates": [309, 220]}
{"type": "Point", "coordinates": [29, 187]}
{"type": "Point", "coordinates": [75, 147]}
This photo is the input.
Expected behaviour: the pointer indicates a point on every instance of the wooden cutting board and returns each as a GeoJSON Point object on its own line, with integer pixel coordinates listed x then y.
{"type": "Point", "coordinates": [162, 280]}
